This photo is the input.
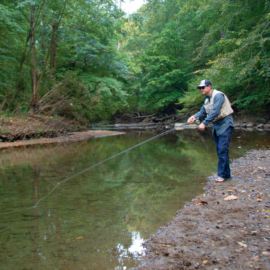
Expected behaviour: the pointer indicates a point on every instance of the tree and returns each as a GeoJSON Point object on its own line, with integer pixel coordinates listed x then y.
{"type": "Point", "coordinates": [51, 39]}
{"type": "Point", "coordinates": [224, 41]}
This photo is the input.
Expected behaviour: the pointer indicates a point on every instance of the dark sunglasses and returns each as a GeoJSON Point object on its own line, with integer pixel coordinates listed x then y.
{"type": "Point", "coordinates": [202, 87]}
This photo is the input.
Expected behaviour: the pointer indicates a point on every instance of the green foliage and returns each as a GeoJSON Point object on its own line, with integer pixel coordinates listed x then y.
{"type": "Point", "coordinates": [12, 32]}
{"type": "Point", "coordinates": [86, 43]}
{"type": "Point", "coordinates": [239, 56]}
{"type": "Point", "coordinates": [85, 97]}
{"type": "Point", "coordinates": [179, 43]}
{"type": "Point", "coordinates": [148, 61]}
{"type": "Point", "coordinates": [167, 68]}
{"type": "Point", "coordinates": [111, 96]}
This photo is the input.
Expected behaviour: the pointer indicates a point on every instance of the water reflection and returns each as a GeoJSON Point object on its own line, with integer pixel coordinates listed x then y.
{"type": "Point", "coordinates": [98, 219]}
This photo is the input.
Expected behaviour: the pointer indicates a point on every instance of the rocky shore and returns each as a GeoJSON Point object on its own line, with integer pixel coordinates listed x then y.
{"type": "Point", "coordinates": [228, 227]}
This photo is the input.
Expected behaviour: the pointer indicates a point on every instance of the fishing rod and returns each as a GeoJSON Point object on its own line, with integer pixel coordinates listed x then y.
{"type": "Point", "coordinates": [103, 161]}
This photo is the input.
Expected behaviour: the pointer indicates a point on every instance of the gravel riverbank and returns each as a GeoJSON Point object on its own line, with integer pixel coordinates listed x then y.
{"type": "Point", "coordinates": [228, 227]}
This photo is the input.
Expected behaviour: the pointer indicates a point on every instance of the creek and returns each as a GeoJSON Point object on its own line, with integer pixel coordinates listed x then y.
{"type": "Point", "coordinates": [99, 219]}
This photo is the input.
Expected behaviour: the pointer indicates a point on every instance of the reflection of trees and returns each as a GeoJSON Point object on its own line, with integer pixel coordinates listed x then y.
{"type": "Point", "coordinates": [35, 237]}
{"type": "Point", "coordinates": [137, 191]}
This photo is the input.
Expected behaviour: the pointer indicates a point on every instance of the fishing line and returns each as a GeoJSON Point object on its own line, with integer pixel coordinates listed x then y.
{"type": "Point", "coordinates": [87, 169]}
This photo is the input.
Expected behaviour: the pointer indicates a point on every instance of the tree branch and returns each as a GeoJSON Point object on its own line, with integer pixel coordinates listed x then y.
{"type": "Point", "coordinates": [37, 17]}
{"type": "Point", "coordinates": [61, 15]}
{"type": "Point", "coordinates": [24, 15]}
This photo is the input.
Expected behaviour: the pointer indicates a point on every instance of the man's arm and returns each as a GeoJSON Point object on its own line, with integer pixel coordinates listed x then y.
{"type": "Point", "coordinates": [200, 114]}
{"type": "Point", "coordinates": [218, 102]}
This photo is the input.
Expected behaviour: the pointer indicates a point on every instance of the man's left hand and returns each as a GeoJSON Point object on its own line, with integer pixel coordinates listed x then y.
{"type": "Point", "coordinates": [201, 126]}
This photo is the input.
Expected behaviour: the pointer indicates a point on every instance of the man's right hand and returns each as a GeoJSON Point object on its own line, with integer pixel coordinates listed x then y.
{"type": "Point", "coordinates": [191, 119]}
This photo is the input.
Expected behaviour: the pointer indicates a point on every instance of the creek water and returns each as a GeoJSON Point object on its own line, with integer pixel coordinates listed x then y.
{"type": "Point", "coordinates": [99, 219]}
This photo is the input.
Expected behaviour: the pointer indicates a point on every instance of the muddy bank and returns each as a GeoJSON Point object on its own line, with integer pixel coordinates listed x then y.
{"type": "Point", "coordinates": [22, 127]}
{"type": "Point", "coordinates": [214, 233]}
{"type": "Point", "coordinates": [70, 137]}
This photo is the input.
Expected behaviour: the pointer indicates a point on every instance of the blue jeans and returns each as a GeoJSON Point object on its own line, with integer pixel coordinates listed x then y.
{"type": "Point", "coordinates": [222, 147]}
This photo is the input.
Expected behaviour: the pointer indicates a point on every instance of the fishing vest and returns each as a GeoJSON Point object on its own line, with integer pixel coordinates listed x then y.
{"type": "Point", "coordinates": [225, 110]}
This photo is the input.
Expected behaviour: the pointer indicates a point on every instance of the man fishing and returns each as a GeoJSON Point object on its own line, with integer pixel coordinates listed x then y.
{"type": "Point", "coordinates": [217, 109]}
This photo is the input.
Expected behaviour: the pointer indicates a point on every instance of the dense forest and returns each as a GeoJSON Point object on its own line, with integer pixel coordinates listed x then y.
{"type": "Point", "coordinates": [87, 59]}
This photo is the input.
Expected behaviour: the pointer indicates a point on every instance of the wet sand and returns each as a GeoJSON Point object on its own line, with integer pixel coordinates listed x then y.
{"type": "Point", "coordinates": [71, 137]}
{"type": "Point", "coordinates": [214, 233]}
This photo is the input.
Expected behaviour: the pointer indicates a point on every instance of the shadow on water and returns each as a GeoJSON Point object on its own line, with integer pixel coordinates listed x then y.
{"type": "Point", "coordinates": [98, 220]}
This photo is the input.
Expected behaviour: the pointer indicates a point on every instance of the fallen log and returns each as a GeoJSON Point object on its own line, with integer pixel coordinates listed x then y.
{"type": "Point", "coordinates": [144, 116]}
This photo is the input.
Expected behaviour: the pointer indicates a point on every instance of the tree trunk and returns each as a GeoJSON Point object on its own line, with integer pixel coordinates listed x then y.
{"type": "Point", "coordinates": [222, 34]}
{"type": "Point", "coordinates": [95, 98]}
{"type": "Point", "coordinates": [53, 50]}
{"type": "Point", "coordinates": [24, 56]}
{"type": "Point", "coordinates": [5, 100]}
{"type": "Point", "coordinates": [33, 61]}
{"type": "Point", "coordinates": [33, 53]}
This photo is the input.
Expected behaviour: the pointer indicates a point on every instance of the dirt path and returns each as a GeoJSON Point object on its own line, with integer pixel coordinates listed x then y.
{"type": "Point", "coordinates": [213, 233]}
{"type": "Point", "coordinates": [72, 136]}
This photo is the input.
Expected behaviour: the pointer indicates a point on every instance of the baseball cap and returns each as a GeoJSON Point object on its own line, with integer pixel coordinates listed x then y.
{"type": "Point", "coordinates": [204, 83]}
